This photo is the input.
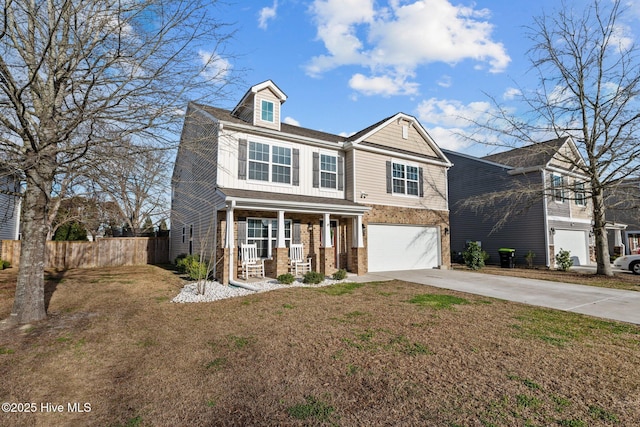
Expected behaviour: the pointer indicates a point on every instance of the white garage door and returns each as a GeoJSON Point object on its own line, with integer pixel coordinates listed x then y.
{"type": "Point", "coordinates": [574, 241]}
{"type": "Point", "coordinates": [402, 247]}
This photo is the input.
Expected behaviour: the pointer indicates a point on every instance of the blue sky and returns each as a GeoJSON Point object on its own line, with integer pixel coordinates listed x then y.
{"type": "Point", "coordinates": [345, 64]}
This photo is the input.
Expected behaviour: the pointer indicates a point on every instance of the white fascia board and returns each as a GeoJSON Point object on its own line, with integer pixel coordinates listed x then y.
{"type": "Point", "coordinates": [298, 207]}
{"type": "Point", "coordinates": [444, 163]}
{"type": "Point", "coordinates": [271, 85]}
{"type": "Point", "coordinates": [519, 171]}
{"type": "Point", "coordinates": [282, 135]}
{"type": "Point", "coordinates": [567, 219]}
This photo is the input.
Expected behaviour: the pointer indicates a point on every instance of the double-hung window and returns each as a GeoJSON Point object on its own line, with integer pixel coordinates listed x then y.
{"type": "Point", "coordinates": [405, 179]}
{"type": "Point", "coordinates": [281, 164]}
{"type": "Point", "coordinates": [557, 188]}
{"type": "Point", "coordinates": [580, 195]}
{"type": "Point", "coordinates": [270, 163]}
{"type": "Point", "coordinates": [328, 171]}
{"type": "Point", "coordinates": [264, 233]}
{"type": "Point", "coordinates": [267, 111]}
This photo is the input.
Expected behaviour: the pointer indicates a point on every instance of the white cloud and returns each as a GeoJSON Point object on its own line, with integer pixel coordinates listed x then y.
{"type": "Point", "coordinates": [291, 121]}
{"type": "Point", "coordinates": [393, 41]}
{"type": "Point", "coordinates": [266, 14]}
{"type": "Point", "coordinates": [382, 85]}
{"type": "Point", "coordinates": [511, 93]}
{"type": "Point", "coordinates": [452, 113]}
{"type": "Point", "coordinates": [214, 67]}
{"type": "Point", "coordinates": [449, 138]}
{"type": "Point", "coordinates": [445, 81]}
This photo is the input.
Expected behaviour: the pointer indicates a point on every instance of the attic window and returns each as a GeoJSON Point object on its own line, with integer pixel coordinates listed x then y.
{"type": "Point", "coordinates": [267, 111]}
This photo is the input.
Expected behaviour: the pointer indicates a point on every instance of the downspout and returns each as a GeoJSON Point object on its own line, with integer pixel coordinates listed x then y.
{"type": "Point", "coordinates": [230, 239]}
{"type": "Point", "coordinates": [546, 219]}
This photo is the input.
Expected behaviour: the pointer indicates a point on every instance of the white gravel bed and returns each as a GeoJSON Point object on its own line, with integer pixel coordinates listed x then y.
{"type": "Point", "coordinates": [215, 291]}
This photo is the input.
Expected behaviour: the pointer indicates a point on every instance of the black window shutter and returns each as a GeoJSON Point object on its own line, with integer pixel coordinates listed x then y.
{"type": "Point", "coordinates": [340, 173]}
{"type": "Point", "coordinates": [316, 170]}
{"type": "Point", "coordinates": [389, 179]}
{"type": "Point", "coordinates": [421, 181]}
{"type": "Point", "coordinates": [242, 159]}
{"type": "Point", "coordinates": [295, 178]}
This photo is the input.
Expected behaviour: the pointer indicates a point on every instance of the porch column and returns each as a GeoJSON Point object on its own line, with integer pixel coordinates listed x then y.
{"type": "Point", "coordinates": [357, 258]}
{"type": "Point", "coordinates": [326, 263]}
{"type": "Point", "coordinates": [326, 232]}
{"type": "Point", "coordinates": [359, 235]}
{"type": "Point", "coordinates": [227, 273]}
{"type": "Point", "coordinates": [280, 238]}
{"type": "Point", "coordinates": [280, 253]}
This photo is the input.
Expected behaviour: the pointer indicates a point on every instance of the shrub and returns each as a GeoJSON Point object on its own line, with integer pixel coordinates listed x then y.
{"type": "Point", "coordinates": [474, 256]}
{"type": "Point", "coordinates": [563, 260]}
{"type": "Point", "coordinates": [197, 270]}
{"type": "Point", "coordinates": [4, 264]}
{"type": "Point", "coordinates": [340, 274]}
{"type": "Point", "coordinates": [286, 278]}
{"type": "Point", "coordinates": [313, 277]}
{"type": "Point", "coordinates": [529, 258]}
{"type": "Point", "coordinates": [181, 263]}
{"type": "Point", "coordinates": [191, 265]}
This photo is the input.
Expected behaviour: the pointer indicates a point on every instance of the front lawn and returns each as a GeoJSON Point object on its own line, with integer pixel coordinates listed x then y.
{"type": "Point", "coordinates": [387, 353]}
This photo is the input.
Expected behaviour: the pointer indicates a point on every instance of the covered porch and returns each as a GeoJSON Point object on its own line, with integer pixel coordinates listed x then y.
{"type": "Point", "coordinates": [330, 230]}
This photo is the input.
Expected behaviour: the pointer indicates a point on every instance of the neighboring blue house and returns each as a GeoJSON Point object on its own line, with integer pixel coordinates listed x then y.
{"type": "Point", "coordinates": [558, 216]}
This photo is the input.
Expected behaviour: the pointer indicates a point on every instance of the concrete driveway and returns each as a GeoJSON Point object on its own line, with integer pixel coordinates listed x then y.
{"type": "Point", "coordinates": [606, 303]}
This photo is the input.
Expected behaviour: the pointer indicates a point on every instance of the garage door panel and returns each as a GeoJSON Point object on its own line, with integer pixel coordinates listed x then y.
{"type": "Point", "coordinates": [574, 241]}
{"type": "Point", "coordinates": [402, 247]}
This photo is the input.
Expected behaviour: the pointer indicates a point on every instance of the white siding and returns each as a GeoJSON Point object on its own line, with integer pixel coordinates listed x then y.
{"type": "Point", "coordinates": [228, 167]}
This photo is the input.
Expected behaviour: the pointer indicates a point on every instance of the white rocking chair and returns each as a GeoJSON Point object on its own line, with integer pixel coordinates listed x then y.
{"type": "Point", "coordinates": [297, 262]}
{"type": "Point", "coordinates": [252, 264]}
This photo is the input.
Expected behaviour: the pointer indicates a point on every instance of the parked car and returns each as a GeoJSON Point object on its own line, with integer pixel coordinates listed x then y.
{"type": "Point", "coordinates": [628, 262]}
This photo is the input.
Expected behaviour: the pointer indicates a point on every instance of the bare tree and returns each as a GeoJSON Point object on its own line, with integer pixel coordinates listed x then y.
{"type": "Point", "coordinates": [589, 80]}
{"type": "Point", "coordinates": [77, 74]}
{"type": "Point", "coordinates": [136, 179]}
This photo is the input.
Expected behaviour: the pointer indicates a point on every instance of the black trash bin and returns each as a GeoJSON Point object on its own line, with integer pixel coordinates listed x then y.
{"type": "Point", "coordinates": [507, 257]}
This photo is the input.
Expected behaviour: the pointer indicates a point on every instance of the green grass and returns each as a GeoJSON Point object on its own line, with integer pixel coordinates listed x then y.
{"type": "Point", "coordinates": [217, 363]}
{"type": "Point", "coordinates": [311, 409]}
{"type": "Point", "coordinates": [437, 301]}
{"type": "Point", "coordinates": [241, 342]}
{"type": "Point", "coordinates": [4, 350]}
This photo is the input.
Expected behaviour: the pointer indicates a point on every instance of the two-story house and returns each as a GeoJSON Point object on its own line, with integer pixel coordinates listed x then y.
{"type": "Point", "coordinates": [538, 189]}
{"type": "Point", "coordinates": [374, 201]}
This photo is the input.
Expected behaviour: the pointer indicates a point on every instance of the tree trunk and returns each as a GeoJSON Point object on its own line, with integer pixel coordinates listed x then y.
{"type": "Point", "coordinates": [29, 303]}
{"type": "Point", "coordinates": [600, 234]}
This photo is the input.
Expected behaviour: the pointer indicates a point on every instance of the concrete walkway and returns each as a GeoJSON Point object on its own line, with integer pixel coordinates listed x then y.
{"type": "Point", "coordinates": [606, 303]}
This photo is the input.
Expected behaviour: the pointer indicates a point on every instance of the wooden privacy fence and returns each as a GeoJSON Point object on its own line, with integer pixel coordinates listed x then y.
{"type": "Point", "coordinates": [108, 252]}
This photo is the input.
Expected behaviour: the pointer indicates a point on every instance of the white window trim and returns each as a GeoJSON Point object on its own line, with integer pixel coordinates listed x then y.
{"type": "Point", "coordinates": [269, 162]}
{"type": "Point", "coordinates": [320, 170]}
{"type": "Point", "coordinates": [273, 111]}
{"type": "Point", "coordinates": [405, 179]}
{"type": "Point", "coordinates": [583, 201]}
{"type": "Point", "coordinates": [555, 188]}
{"type": "Point", "coordinates": [271, 236]}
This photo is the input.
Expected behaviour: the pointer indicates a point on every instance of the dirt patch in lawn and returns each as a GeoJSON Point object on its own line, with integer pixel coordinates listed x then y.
{"type": "Point", "coordinates": [386, 353]}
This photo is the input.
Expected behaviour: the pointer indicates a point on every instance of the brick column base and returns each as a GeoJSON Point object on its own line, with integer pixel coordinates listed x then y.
{"type": "Point", "coordinates": [222, 270]}
{"type": "Point", "coordinates": [281, 261]}
{"type": "Point", "coordinates": [358, 261]}
{"type": "Point", "coordinates": [326, 263]}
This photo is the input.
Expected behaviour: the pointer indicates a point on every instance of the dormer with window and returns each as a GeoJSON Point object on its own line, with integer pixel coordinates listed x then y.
{"type": "Point", "coordinates": [260, 106]}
